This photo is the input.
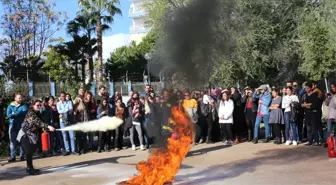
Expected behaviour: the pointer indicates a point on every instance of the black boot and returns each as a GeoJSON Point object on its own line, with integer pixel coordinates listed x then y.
{"type": "Point", "coordinates": [277, 141]}
{"type": "Point", "coordinates": [249, 136]}
{"type": "Point", "coordinates": [32, 171]}
{"type": "Point", "coordinates": [267, 140]}
{"type": "Point", "coordinates": [209, 141]}
{"type": "Point", "coordinates": [255, 141]}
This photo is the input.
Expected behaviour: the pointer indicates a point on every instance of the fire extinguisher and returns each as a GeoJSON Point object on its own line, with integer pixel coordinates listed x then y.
{"type": "Point", "coordinates": [45, 138]}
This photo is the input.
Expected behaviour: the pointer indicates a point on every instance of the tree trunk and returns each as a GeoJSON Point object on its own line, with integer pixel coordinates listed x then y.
{"type": "Point", "coordinates": [83, 74]}
{"type": "Point", "coordinates": [90, 60]}
{"type": "Point", "coordinates": [100, 52]}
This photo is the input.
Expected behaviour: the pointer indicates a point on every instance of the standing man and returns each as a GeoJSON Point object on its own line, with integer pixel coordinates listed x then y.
{"type": "Point", "coordinates": [16, 112]}
{"type": "Point", "coordinates": [311, 107]}
{"type": "Point", "coordinates": [263, 112]}
{"type": "Point", "coordinates": [64, 109]}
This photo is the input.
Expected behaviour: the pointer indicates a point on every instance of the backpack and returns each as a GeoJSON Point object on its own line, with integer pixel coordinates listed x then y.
{"type": "Point", "coordinates": [294, 106]}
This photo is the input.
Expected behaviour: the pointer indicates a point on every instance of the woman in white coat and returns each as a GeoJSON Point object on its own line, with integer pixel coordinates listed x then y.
{"type": "Point", "coordinates": [225, 114]}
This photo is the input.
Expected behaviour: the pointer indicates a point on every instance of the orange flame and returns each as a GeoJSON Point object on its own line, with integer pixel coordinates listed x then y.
{"type": "Point", "coordinates": [162, 166]}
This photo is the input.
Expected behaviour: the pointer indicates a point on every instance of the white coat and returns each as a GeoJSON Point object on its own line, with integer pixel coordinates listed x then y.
{"type": "Point", "coordinates": [226, 110]}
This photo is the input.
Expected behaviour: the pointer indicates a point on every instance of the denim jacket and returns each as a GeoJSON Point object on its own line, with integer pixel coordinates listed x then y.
{"type": "Point", "coordinates": [266, 99]}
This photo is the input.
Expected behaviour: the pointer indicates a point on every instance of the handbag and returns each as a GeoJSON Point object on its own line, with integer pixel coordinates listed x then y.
{"type": "Point", "coordinates": [331, 147]}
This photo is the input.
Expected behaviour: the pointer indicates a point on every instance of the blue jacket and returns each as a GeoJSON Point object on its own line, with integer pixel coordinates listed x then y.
{"type": "Point", "coordinates": [16, 114]}
{"type": "Point", "coordinates": [266, 99]}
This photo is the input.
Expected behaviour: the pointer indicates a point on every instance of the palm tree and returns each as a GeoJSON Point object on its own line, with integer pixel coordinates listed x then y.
{"type": "Point", "coordinates": [85, 24]}
{"type": "Point", "coordinates": [102, 11]}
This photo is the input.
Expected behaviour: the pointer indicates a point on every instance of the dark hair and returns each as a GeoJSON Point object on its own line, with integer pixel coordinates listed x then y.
{"type": "Point", "coordinates": [101, 86]}
{"type": "Point", "coordinates": [33, 102]}
{"type": "Point", "coordinates": [68, 94]}
{"type": "Point", "coordinates": [63, 93]}
{"type": "Point", "coordinates": [135, 92]}
{"type": "Point", "coordinates": [275, 90]}
{"type": "Point", "coordinates": [290, 88]}
{"type": "Point", "coordinates": [332, 84]}
{"type": "Point", "coordinates": [309, 84]}
{"type": "Point", "coordinates": [227, 94]}
{"type": "Point", "coordinates": [51, 98]}
{"type": "Point", "coordinates": [102, 100]}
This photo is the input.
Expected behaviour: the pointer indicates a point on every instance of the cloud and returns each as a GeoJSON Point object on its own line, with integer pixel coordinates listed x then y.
{"type": "Point", "coordinates": [110, 43]}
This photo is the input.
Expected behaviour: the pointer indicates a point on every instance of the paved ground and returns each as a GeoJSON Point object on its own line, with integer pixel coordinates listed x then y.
{"type": "Point", "coordinates": [262, 164]}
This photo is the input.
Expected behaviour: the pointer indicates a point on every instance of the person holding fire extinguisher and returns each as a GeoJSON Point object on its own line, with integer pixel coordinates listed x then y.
{"type": "Point", "coordinates": [28, 137]}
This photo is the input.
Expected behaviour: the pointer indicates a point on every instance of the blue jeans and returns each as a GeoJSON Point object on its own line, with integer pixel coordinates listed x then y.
{"type": "Point", "coordinates": [66, 141]}
{"type": "Point", "coordinates": [13, 132]}
{"type": "Point", "coordinates": [330, 124]}
{"type": "Point", "coordinates": [144, 130]}
{"type": "Point", "coordinates": [290, 127]}
{"type": "Point", "coordinates": [265, 119]}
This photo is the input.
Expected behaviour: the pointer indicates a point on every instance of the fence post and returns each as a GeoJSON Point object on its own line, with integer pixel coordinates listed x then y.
{"type": "Point", "coordinates": [31, 88]}
{"type": "Point", "coordinates": [111, 88]}
{"type": "Point", "coordinates": [93, 88]}
{"type": "Point", "coordinates": [129, 86]}
{"type": "Point", "coordinates": [53, 89]}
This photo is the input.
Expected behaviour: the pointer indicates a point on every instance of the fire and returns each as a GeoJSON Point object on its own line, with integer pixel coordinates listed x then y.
{"type": "Point", "coordinates": [162, 166]}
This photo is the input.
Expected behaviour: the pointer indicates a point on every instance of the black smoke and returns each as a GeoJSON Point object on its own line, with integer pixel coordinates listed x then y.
{"type": "Point", "coordinates": [186, 46]}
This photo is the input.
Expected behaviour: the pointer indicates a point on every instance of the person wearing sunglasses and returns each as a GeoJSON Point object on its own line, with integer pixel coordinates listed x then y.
{"type": "Point", "coordinates": [190, 107]}
{"type": "Point", "coordinates": [28, 135]}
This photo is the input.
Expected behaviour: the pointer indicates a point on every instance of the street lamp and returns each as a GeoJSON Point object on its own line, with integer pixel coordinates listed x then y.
{"type": "Point", "coordinates": [148, 57]}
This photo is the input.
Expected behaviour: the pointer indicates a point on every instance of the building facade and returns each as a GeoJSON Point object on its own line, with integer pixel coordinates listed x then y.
{"type": "Point", "coordinates": [139, 27]}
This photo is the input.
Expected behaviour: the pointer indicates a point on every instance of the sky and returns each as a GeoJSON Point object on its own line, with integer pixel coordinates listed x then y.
{"type": "Point", "coordinates": [116, 37]}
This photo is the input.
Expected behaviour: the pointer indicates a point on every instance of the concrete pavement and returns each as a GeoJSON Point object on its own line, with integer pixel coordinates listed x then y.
{"type": "Point", "coordinates": [246, 163]}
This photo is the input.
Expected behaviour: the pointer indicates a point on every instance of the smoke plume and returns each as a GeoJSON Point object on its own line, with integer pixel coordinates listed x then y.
{"type": "Point", "coordinates": [103, 124]}
{"type": "Point", "coordinates": [186, 45]}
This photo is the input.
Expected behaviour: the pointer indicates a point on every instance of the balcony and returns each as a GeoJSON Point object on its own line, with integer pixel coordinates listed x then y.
{"type": "Point", "coordinates": [134, 14]}
{"type": "Point", "coordinates": [137, 10]}
{"type": "Point", "coordinates": [139, 29]}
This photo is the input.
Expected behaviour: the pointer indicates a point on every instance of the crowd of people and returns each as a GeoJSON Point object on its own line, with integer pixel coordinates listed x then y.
{"type": "Point", "coordinates": [290, 115]}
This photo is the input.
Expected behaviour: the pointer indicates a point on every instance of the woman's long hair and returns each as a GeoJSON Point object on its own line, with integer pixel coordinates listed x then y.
{"type": "Point", "coordinates": [85, 95]}
{"type": "Point", "coordinates": [102, 107]}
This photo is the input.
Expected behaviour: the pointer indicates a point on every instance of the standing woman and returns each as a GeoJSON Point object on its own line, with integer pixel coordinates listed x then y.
{"type": "Point", "coordinates": [239, 126]}
{"type": "Point", "coordinates": [288, 104]}
{"type": "Point", "coordinates": [118, 132]}
{"type": "Point", "coordinates": [103, 140]}
{"type": "Point", "coordinates": [136, 112]}
{"type": "Point", "coordinates": [251, 108]}
{"type": "Point", "coordinates": [91, 108]}
{"type": "Point", "coordinates": [276, 116]}
{"type": "Point", "coordinates": [81, 115]}
{"type": "Point", "coordinates": [225, 114]}
{"type": "Point", "coordinates": [27, 136]}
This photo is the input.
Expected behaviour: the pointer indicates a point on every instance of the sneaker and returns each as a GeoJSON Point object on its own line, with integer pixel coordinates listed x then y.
{"type": "Point", "coordinates": [142, 147]}
{"type": "Point", "coordinates": [288, 143]}
{"type": "Point", "coordinates": [295, 143]}
{"type": "Point", "coordinates": [133, 147]}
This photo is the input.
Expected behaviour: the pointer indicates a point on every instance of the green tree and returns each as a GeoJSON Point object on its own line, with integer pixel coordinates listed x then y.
{"type": "Point", "coordinates": [130, 58]}
{"type": "Point", "coordinates": [56, 66]}
{"type": "Point", "coordinates": [102, 11]}
{"type": "Point", "coordinates": [318, 39]}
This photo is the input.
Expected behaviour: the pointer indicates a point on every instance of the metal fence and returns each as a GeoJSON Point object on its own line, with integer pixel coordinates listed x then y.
{"type": "Point", "coordinates": [42, 89]}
